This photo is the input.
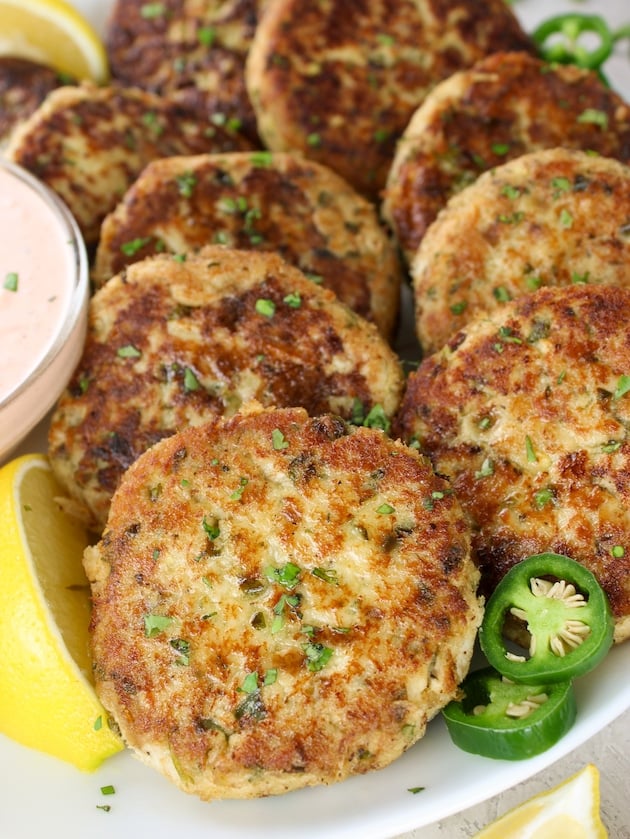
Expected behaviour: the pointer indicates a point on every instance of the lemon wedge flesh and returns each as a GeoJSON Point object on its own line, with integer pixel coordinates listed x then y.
{"type": "Point", "coordinates": [568, 811]}
{"type": "Point", "coordinates": [47, 700]}
{"type": "Point", "coordinates": [54, 33]}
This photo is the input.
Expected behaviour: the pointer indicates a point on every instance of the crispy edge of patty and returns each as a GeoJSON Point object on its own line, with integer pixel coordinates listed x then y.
{"type": "Point", "coordinates": [521, 415]}
{"type": "Point", "coordinates": [506, 105]}
{"type": "Point", "coordinates": [172, 343]}
{"type": "Point", "coordinates": [551, 217]}
{"type": "Point", "coordinates": [24, 84]}
{"type": "Point", "coordinates": [340, 83]}
{"type": "Point", "coordinates": [411, 607]}
{"type": "Point", "coordinates": [262, 201]}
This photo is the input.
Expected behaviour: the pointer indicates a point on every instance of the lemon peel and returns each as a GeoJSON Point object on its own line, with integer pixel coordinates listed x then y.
{"type": "Point", "coordinates": [570, 810]}
{"type": "Point", "coordinates": [54, 33]}
{"type": "Point", "coordinates": [47, 701]}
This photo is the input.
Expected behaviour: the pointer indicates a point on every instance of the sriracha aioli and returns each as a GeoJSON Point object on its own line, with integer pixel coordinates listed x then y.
{"type": "Point", "coordinates": [37, 278]}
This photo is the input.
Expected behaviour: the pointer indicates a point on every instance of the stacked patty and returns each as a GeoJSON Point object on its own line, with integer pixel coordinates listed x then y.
{"type": "Point", "coordinates": [264, 202]}
{"type": "Point", "coordinates": [553, 217]}
{"type": "Point", "coordinates": [173, 342]}
{"type": "Point", "coordinates": [526, 415]}
{"type": "Point", "coordinates": [505, 106]}
{"type": "Point", "coordinates": [88, 144]}
{"type": "Point", "coordinates": [268, 610]}
{"type": "Point", "coordinates": [339, 80]}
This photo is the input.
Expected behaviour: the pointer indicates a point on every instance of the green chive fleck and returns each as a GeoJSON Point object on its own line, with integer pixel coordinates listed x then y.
{"type": "Point", "coordinates": [530, 451]}
{"type": "Point", "coordinates": [191, 382]}
{"type": "Point", "coordinates": [154, 624]}
{"type": "Point", "coordinates": [594, 117]}
{"type": "Point", "coordinates": [385, 509]}
{"type": "Point", "coordinates": [623, 386]}
{"type": "Point", "coordinates": [618, 551]}
{"type": "Point", "coordinates": [128, 351]}
{"type": "Point", "coordinates": [265, 307]}
{"type": "Point", "coordinates": [11, 281]}
{"type": "Point", "coordinates": [278, 440]}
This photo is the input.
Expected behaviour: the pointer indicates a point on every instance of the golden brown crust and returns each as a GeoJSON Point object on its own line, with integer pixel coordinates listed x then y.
{"type": "Point", "coordinates": [525, 411]}
{"type": "Point", "coordinates": [339, 80]}
{"type": "Point", "coordinates": [24, 84]}
{"type": "Point", "coordinates": [505, 106]}
{"type": "Point", "coordinates": [88, 144]}
{"type": "Point", "coordinates": [311, 594]}
{"type": "Point", "coordinates": [173, 343]}
{"type": "Point", "coordinates": [192, 51]}
{"type": "Point", "coordinates": [264, 202]}
{"type": "Point", "coordinates": [548, 218]}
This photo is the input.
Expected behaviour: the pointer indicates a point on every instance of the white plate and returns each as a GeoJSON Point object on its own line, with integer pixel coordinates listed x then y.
{"type": "Point", "coordinates": [42, 796]}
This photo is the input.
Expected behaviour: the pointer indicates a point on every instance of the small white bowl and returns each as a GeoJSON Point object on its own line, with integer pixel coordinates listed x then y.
{"type": "Point", "coordinates": [47, 356]}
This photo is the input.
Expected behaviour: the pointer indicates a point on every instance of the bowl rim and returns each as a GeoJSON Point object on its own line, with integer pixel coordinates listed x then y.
{"type": "Point", "coordinates": [81, 287]}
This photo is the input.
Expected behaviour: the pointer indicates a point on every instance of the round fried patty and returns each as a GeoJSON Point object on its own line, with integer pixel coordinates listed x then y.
{"type": "Point", "coordinates": [263, 201]}
{"type": "Point", "coordinates": [527, 414]}
{"type": "Point", "coordinates": [172, 343]}
{"type": "Point", "coordinates": [503, 107]}
{"type": "Point", "coordinates": [24, 84]}
{"type": "Point", "coordinates": [552, 217]}
{"type": "Point", "coordinates": [191, 51]}
{"type": "Point", "coordinates": [279, 601]}
{"type": "Point", "coordinates": [340, 80]}
{"type": "Point", "coordinates": [88, 144]}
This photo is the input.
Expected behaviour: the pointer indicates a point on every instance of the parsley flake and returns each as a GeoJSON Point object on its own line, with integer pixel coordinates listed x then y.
{"type": "Point", "coordinates": [11, 281]}
{"type": "Point", "coordinates": [265, 307]}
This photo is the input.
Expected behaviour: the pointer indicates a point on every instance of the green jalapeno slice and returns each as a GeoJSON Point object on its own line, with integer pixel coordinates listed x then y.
{"type": "Point", "coordinates": [558, 40]}
{"type": "Point", "coordinates": [562, 609]}
{"type": "Point", "coordinates": [499, 719]}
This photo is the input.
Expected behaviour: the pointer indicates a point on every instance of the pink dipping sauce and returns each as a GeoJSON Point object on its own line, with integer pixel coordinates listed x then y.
{"type": "Point", "coordinates": [43, 301]}
{"type": "Point", "coordinates": [37, 258]}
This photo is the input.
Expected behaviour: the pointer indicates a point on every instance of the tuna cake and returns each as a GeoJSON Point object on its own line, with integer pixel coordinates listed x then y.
{"type": "Point", "coordinates": [191, 51]}
{"type": "Point", "coordinates": [279, 601]}
{"type": "Point", "coordinates": [526, 412]}
{"type": "Point", "coordinates": [88, 144]}
{"type": "Point", "coordinates": [173, 343]}
{"type": "Point", "coordinates": [548, 218]}
{"type": "Point", "coordinates": [280, 202]}
{"type": "Point", "coordinates": [503, 107]}
{"type": "Point", "coordinates": [340, 80]}
{"type": "Point", "coordinates": [24, 84]}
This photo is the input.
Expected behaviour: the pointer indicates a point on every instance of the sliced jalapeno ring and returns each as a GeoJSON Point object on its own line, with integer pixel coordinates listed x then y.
{"type": "Point", "coordinates": [566, 615]}
{"type": "Point", "coordinates": [567, 49]}
{"type": "Point", "coordinates": [500, 719]}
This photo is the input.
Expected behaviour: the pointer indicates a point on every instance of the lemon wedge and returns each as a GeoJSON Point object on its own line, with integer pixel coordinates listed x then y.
{"type": "Point", "coordinates": [570, 811]}
{"type": "Point", "coordinates": [53, 32]}
{"type": "Point", "coordinates": [47, 701]}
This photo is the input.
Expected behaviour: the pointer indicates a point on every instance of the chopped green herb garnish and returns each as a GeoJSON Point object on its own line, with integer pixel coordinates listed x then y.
{"type": "Point", "coordinates": [270, 677]}
{"type": "Point", "coordinates": [487, 469]}
{"type": "Point", "coordinates": [265, 307]}
{"type": "Point", "coordinates": [128, 351]}
{"type": "Point", "coordinates": [211, 528]}
{"type": "Point", "coordinates": [293, 300]}
{"type": "Point", "coordinates": [617, 551]}
{"type": "Point", "coordinates": [314, 140]}
{"type": "Point", "coordinates": [459, 307]}
{"type": "Point", "coordinates": [416, 790]}
{"type": "Point", "coordinates": [501, 294]}
{"type": "Point", "coordinates": [154, 624]}
{"type": "Point", "coordinates": [132, 247]}
{"type": "Point", "coordinates": [529, 450]}
{"type": "Point", "coordinates": [278, 440]}
{"type": "Point", "coordinates": [186, 183]}
{"type": "Point", "coordinates": [11, 281]}
{"type": "Point", "coordinates": [385, 509]}
{"type": "Point", "coordinates": [238, 492]}
{"type": "Point", "coordinates": [250, 683]}
{"type": "Point", "coordinates": [287, 575]}
{"type": "Point", "coordinates": [183, 648]}
{"type": "Point", "coordinates": [191, 382]}
{"type": "Point", "coordinates": [327, 575]}
{"type": "Point", "coordinates": [623, 386]}
{"type": "Point", "coordinates": [560, 185]}
{"type": "Point", "coordinates": [511, 192]}
{"type": "Point", "coordinates": [566, 219]}
{"type": "Point", "coordinates": [149, 11]}
{"type": "Point", "coordinates": [543, 497]}
{"type": "Point", "coordinates": [317, 656]}
{"type": "Point", "coordinates": [206, 35]}
{"type": "Point", "coordinates": [377, 418]}
{"type": "Point", "coordinates": [611, 446]}
{"type": "Point", "coordinates": [500, 149]}
{"type": "Point", "coordinates": [98, 723]}
{"type": "Point", "coordinates": [594, 117]}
